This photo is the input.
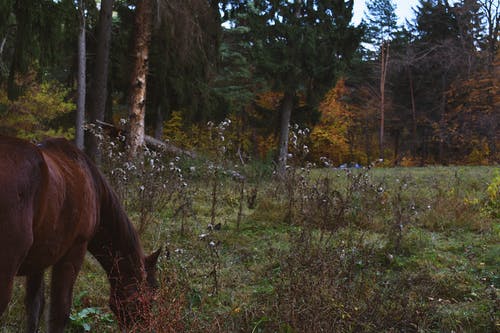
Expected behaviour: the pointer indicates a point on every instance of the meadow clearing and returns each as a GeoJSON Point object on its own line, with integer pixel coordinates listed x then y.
{"type": "Point", "coordinates": [321, 250]}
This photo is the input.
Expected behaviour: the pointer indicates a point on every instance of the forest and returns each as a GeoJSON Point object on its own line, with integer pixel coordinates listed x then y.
{"type": "Point", "coordinates": [425, 92]}
{"type": "Point", "coordinates": [292, 171]}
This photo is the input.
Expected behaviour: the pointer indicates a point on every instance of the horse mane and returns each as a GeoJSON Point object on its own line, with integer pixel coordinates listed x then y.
{"type": "Point", "coordinates": [114, 230]}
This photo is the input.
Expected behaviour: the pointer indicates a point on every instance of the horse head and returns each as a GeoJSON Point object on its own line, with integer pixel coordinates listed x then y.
{"type": "Point", "coordinates": [132, 300]}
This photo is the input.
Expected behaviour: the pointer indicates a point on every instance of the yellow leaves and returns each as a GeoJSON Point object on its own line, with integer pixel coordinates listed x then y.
{"type": "Point", "coordinates": [34, 114]}
{"type": "Point", "coordinates": [493, 189]}
{"type": "Point", "coordinates": [329, 137]}
{"type": "Point", "coordinates": [479, 154]}
{"type": "Point", "coordinates": [492, 206]}
{"type": "Point", "coordinates": [173, 129]}
{"type": "Point", "coordinates": [471, 201]}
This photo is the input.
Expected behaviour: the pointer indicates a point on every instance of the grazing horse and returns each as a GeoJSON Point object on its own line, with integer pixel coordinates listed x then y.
{"type": "Point", "coordinates": [54, 206]}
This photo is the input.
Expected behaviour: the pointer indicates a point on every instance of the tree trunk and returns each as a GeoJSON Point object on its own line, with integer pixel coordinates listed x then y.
{"type": "Point", "coordinates": [80, 104]}
{"type": "Point", "coordinates": [159, 123]}
{"type": "Point", "coordinates": [396, 147]}
{"type": "Point", "coordinates": [99, 89]}
{"type": "Point", "coordinates": [491, 12]}
{"type": "Point", "coordinates": [351, 137]}
{"type": "Point", "coordinates": [442, 121]}
{"type": "Point", "coordinates": [414, 115]}
{"type": "Point", "coordinates": [137, 108]}
{"type": "Point", "coordinates": [367, 140]}
{"type": "Point", "coordinates": [384, 60]}
{"type": "Point", "coordinates": [494, 123]}
{"type": "Point", "coordinates": [24, 39]}
{"type": "Point", "coordinates": [286, 112]}
{"type": "Point", "coordinates": [2, 44]}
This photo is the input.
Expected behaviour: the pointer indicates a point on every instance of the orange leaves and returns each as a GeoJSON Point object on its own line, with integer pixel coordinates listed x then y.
{"type": "Point", "coordinates": [330, 136]}
{"type": "Point", "coordinates": [473, 115]}
{"type": "Point", "coordinates": [269, 100]}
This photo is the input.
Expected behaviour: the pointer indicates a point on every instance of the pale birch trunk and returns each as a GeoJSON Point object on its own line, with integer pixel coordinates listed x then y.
{"type": "Point", "coordinates": [137, 108]}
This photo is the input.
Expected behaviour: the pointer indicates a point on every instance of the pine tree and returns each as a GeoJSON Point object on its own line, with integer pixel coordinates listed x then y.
{"type": "Point", "coordinates": [298, 46]}
{"type": "Point", "coordinates": [382, 21]}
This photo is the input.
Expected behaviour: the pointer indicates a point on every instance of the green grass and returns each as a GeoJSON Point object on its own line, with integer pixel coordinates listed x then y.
{"type": "Point", "coordinates": [297, 265]}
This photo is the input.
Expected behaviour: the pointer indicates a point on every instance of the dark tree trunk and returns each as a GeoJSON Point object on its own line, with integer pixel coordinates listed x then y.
{"type": "Point", "coordinates": [396, 147]}
{"type": "Point", "coordinates": [413, 114]}
{"type": "Point", "coordinates": [80, 104]}
{"type": "Point", "coordinates": [384, 61]}
{"type": "Point", "coordinates": [351, 138]}
{"type": "Point", "coordinates": [99, 88]}
{"type": "Point", "coordinates": [442, 121]}
{"type": "Point", "coordinates": [286, 112]}
{"type": "Point", "coordinates": [493, 127]}
{"type": "Point", "coordinates": [24, 37]}
{"type": "Point", "coordinates": [366, 137]}
{"type": "Point", "coordinates": [159, 123]}
{"type": "Point", "coordinates": [137, 107]}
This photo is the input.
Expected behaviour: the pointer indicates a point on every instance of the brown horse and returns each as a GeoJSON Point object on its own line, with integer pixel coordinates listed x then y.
{"type": "Point", "coordinates": [54, 205]}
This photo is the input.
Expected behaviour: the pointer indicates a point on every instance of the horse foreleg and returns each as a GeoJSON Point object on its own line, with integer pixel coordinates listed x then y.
{"type": "Point", "coordinates": [64, 275]}
{"type": "Point", "coordinates": [34, 300]}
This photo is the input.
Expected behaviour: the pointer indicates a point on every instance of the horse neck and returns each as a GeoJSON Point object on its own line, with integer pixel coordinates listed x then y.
{"type": "Point", "coordinates": [115, 244]}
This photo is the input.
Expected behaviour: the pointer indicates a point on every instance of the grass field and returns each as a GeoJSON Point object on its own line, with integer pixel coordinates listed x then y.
{"type": "Point", "coordinates": [323, 250]}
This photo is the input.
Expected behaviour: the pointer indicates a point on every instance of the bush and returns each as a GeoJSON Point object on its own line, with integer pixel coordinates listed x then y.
{"type": "Point", "coordinates": [37, 113]}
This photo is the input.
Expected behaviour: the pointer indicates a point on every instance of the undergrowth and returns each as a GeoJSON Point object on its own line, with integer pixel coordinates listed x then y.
{"type": "Point", "coordinates": [319, 250]}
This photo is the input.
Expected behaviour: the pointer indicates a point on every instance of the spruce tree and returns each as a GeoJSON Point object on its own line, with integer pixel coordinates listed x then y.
{"type": "Point", "coordinates": [297, 46]}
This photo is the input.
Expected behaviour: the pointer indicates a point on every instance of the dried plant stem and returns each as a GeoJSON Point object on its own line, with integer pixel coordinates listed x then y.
{"type": "Point", "coordinates": [240, 208]}
{"type": "Point", "coordinates": [214, 199]}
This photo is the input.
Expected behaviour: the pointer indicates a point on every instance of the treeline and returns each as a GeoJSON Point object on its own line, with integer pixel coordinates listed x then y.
{"type": "Point", "coordinates": [413, 94]}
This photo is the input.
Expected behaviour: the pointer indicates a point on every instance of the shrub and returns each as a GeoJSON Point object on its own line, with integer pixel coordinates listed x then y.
{"type": "Point", "coordinates": [37, 113]}
{"type": "Point", "coordinates": [493, 197]}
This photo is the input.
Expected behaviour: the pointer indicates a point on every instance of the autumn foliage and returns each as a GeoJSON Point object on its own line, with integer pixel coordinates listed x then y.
{"type": "Point", "coordinates": [472, 120]}
{"type": "Point", "coordinates": [39, 112]}
{"type": "Point", "coordinates": [330, 136]}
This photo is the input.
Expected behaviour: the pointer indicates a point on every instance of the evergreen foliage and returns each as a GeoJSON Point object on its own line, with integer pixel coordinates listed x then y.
{"type": "Point", "coordinates": [382, 21]}
{"type": "Point", "coordinates": [439, 92]}
{"type": "Point", "coordinates": [298, 45]}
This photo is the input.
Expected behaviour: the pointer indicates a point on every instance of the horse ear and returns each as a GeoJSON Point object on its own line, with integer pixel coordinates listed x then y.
{"type": "Point", "coordinates": [151, 260]}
